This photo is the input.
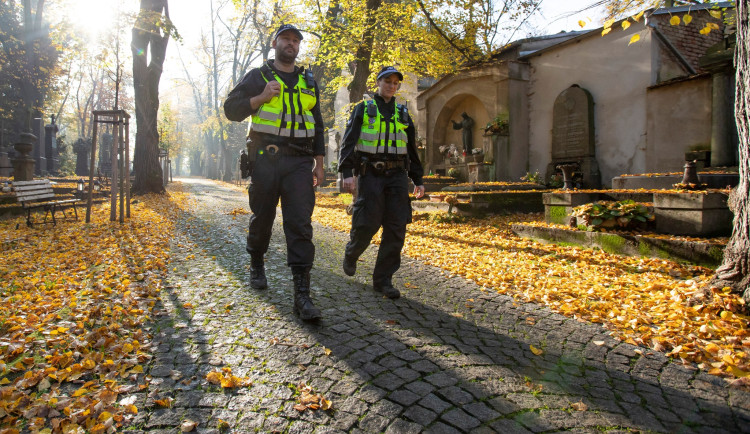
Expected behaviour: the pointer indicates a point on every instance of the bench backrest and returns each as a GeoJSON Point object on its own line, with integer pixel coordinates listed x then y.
{"type": "Point", "coordinates": [33, 191]}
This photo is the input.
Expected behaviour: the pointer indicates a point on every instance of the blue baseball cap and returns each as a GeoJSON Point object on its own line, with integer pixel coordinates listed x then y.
{"type": "Point", "coordinates": [284, 27]}
{"type": "Point", "coordinates": [388, 70]}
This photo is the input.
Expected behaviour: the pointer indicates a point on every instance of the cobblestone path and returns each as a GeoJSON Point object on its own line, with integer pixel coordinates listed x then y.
{"type": "Point", "coordinates": [444, 358]}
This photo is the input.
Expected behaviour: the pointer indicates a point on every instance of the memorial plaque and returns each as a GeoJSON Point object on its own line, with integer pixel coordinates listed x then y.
{"type": "Point", "coordinates": [573, 125]}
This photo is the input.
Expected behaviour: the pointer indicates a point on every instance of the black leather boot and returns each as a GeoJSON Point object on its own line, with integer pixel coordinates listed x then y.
{"type": "Point", "coordinates": [303, 305]}
{"type": "Point", "coordinates": [349, 266]}
{"type": "Point", "coordinates": [258, 275]}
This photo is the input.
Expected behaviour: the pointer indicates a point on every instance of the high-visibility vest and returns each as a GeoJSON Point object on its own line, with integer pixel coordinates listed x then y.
{"type": "Point", "coordinates": [382, 137]}
{"type": "Point", "coordinates": [289, 114]}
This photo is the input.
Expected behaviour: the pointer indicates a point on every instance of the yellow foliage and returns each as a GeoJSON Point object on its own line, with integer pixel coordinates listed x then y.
{"type": "Point", "coordinates": [646, 301]}
{"type": "Point", "coordinates": [74, 285]}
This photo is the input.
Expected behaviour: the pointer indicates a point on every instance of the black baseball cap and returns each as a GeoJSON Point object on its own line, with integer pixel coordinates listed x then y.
{"type": "Point", "coordinates": [388, 70]}
{"type": "Point", "coordinates": [284, 27]}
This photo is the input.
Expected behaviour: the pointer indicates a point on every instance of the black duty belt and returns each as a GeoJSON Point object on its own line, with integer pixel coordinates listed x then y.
{"type": "Point", "coordinates": [287, 149]}
{"type": "Point", "coordinates": [388, 164]}
{"type": "Point", "coordinates": [383, 167]}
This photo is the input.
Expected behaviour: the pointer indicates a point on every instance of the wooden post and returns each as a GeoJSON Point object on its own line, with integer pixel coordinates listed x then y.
{"type": "Point", "coordinates": [113, 178]}
{"type": "Point", "coordinates": [90, 199]}
{"type": "Point", "coordinates": [121, 155]}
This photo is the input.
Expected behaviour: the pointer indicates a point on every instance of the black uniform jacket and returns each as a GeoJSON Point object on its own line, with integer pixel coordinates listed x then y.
{"type": "Point", "coordinates": [237, 105]}
{"type": "Point", "coordinates": [349, 158]}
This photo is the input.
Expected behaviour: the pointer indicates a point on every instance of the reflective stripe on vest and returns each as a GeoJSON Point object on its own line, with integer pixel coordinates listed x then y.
{"type": "Point", "coordinates": [288, 114]}
{"type": "Point", "coordinates": [379, 136]}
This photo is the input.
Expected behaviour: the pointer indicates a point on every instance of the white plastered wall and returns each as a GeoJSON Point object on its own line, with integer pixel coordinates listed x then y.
{"type": "Point", "coordinates": [617, 75]}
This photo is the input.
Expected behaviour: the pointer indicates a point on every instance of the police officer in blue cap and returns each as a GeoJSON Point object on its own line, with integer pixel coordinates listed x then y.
{"type": "Point", "coordinates": [379, 146]}
{"type": "Point", "coordinates": [285, 149]}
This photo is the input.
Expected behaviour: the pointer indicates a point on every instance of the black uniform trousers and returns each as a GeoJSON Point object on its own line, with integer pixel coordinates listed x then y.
{"type": "Point", "coordinates": [382, 200]}
{"type": "Point", "coordinates": [289, 178]}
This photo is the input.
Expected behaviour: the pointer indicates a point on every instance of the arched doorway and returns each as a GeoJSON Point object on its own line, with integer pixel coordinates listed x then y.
{"type": "Point", "coordinates": [443, 132]}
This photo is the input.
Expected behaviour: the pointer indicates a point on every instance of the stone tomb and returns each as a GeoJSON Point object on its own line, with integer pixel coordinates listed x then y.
{"type": "Point", "coordinates": [573, 136]}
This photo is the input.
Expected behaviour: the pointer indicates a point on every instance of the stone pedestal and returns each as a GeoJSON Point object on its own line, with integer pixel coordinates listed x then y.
{"type": "Point", "coordinates": [478, 172]}
{"type": "Point", "coordinates": [23, 165]}
{"type": "Point", "coordinates": [694, 214]}
{"type": "Point", "coordinates": [500, 154]}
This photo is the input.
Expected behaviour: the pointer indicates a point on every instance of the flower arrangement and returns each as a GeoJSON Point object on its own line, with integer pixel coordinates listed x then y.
{"type": "Point", "coordinates": [498, 125]}
{"type": "Point", "coordinates": [477, 151]}
{"type": "Point", "coordinates": [608, 214]}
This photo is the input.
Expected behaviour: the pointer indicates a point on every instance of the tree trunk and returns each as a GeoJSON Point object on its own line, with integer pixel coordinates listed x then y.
{"type": "Point", "coordinates": [735, 270]}
{"type": "Point", "coordinates": [364, 54]}
{"type": "Point", "coordinates": [147, 34]}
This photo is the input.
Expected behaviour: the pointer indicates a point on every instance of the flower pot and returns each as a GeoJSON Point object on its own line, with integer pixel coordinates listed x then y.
{"type": "Point", "coordinates": [478, 158]}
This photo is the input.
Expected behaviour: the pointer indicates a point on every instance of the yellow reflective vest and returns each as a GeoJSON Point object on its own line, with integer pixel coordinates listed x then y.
{"type": "Point", "coordinates": [381, 136]}
{"type": "Point", "coordinates": [288, 114]}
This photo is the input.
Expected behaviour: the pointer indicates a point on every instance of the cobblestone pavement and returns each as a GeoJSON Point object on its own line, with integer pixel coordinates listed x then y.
{"type": "Point", "coordinates": [444, 358]}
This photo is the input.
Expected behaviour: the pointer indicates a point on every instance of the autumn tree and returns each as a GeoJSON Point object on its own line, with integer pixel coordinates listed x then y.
{"type": "Point", "coordinates": [239, 36]}
{"type": "Point", "coordinates": [151, 33]}
{"type": "Point", "coordinates": [429, 37]}
{"type": "Point", "coordinates": [28, 63]}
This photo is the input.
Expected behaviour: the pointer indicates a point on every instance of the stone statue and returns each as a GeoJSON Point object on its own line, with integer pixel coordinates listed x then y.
{"type": "Point", "coordinates": [466, 124]}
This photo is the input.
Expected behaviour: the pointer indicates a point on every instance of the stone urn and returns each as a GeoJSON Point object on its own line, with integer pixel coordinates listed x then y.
{"type": "Point", "coordinates": [25, 145]}
{"type": "Point", "coordinates": [478, 158]}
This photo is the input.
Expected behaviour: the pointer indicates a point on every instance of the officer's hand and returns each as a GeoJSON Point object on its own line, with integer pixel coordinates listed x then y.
{"type": "Point", "coordinates": [272, 89]}
{"type": "Point", "coordinates": [349, 184]}
{"type": "Point", "coordinates": [419, 191]}
{"type": "Point", "coordinates": [318, 175]}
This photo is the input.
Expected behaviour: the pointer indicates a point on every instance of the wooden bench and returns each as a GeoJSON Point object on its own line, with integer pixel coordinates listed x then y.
{"type": "Point", "coordinates": [39, 194]}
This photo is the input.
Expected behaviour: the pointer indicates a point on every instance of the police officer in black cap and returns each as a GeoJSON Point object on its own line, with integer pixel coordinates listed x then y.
{"type": "Point", "coordinates": [285, 155]}
{"type": "Point", "coordinates": [379, 146]}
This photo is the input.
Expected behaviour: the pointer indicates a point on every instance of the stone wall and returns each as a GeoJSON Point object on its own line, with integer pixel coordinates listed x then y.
{"type": "Point", "coordinates": [678, 120]}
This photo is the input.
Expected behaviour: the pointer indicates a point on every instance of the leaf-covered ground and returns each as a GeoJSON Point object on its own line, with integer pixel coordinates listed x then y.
{"type": "Point", "coordinates": [73, 299]}
{"type": "Point", "coordinates": [650, 302]}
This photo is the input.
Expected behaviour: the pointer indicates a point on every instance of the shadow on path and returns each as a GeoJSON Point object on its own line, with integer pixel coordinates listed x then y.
{"type": "Point", "coordinates": [446, 357]}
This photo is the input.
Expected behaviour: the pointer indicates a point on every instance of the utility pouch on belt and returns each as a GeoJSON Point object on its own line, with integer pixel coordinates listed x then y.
{"type": "Point", "coordinates": [244, 165]}
{"type": "Point", "coordinates": [252, 152]}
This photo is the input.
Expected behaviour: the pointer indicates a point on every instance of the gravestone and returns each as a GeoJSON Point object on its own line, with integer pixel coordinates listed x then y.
{"type": "Point", "coordinates": [37, 128]}
{"type": "Point", "coordinates": [5, 164]}
{"type": "Point", "coordinates": [573, 136]}
{"type": "Point", "coordinates": [82, 148]}
{"type": "Point", "coordinates": [50, 146]}
{"type": "Point", "coordinates": [105, 155]}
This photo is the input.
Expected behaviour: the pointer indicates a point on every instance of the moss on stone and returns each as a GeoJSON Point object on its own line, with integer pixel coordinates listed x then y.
{"type": "Point", "coordinates": [644, 249]}
{"type": "Point", "coordinates": [557, 214]}
{"type": "Point", "coordinates": [612, 243]}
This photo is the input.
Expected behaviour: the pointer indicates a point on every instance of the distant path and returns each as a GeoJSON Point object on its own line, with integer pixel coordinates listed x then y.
{"type": "Point", "coordinates": [444, 358]}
